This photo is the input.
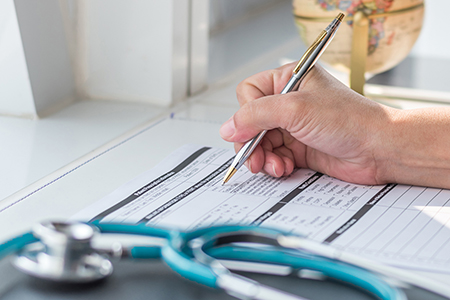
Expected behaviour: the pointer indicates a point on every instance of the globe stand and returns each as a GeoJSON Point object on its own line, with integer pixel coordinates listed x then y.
{"type": "Point", "coordinates": [359, 52]}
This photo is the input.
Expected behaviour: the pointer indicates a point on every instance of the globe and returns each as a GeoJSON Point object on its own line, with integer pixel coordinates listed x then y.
{"type": "Point", "coordinates": [394, 26]}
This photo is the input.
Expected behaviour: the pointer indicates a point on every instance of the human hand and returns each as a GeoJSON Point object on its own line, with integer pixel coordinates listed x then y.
{"type": "Point", "coordinates": [323, 126]}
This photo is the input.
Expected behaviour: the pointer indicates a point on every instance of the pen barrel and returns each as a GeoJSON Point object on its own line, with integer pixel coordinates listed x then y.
{"type": "Point", "coordinates": [291, 85]}
{"type": "Point", "coordinates": [249, 147]}
{"type": "Point", "coordinates": [333, 25]}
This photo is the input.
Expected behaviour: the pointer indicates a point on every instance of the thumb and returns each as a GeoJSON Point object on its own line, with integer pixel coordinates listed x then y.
{"type": "Point", "coordinates": [265, 113]}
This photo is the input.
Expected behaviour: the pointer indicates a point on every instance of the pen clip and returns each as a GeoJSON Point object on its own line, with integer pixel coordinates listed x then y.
{"type": "Point", "coordinates": [310, 51]}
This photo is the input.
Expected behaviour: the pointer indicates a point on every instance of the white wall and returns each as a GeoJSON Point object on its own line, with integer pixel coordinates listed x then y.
{"type": "Point", "coordinates": [227, 12]}
{"type": "Point", "coordinates": [15, 89]}
{"type": "Point", "coordinates": [132, 50]}
{"type": "Point", "coordinates": [434, 39]}
{"type": "Point", "coordinates": [36, 73]}
{"type": "Point", "coordinates": [47, 53]}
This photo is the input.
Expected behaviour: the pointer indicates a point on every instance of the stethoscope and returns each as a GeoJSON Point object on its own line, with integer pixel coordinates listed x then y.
{"type": "Point", "coordinates": [64, 252]}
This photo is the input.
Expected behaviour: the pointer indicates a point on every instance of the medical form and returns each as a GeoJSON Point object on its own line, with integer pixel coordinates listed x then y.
{"type": "Point", "coordinates": [406, 226]}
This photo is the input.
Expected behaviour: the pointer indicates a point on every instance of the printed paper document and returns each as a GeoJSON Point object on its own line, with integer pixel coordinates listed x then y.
{"type": "Point", "coordinates": [407, 226]}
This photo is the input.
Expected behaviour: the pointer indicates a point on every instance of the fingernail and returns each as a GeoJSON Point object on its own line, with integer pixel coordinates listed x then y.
{"type": "Point", "coordinates": [270, 167]}
{"type": "Point", "coordinates": [274, 172]}
{"type": "Point", "coordinates": [227, 130]}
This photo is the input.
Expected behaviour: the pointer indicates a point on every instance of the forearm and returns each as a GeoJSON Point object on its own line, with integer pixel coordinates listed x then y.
{"type": "Point", "coordinates": [415, 149]}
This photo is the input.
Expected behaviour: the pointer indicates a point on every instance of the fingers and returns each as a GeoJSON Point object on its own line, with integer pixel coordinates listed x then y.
{"type": "Point", "coordinates": [288, 159]}
{"type": "Point", "coordinates": [272, 82]}
{"type": "Point", "coordinates": [266, 113]}
{"type": "Point", "coordinates": [265, 83]}
{"type": "Point", "coordinates": [274, 164]}
{"type": "Point", "coordinates": [255, 161]}
{"type": "Point", "coordinates": [271, 156]}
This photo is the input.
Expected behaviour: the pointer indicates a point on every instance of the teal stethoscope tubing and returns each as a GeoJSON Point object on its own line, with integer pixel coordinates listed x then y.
{"type": "Point", "coordinates": [16, 244]}
{"type": "Point", "coordinates": [295, 259]}
{"type": "Point", "coordinates": [178, 256]}
{"type": "Point", "coordinates": [332, 269]}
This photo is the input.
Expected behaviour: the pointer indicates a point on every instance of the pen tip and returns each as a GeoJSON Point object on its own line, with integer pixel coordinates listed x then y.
{"type": "Point", "coordinates": [229, 174]}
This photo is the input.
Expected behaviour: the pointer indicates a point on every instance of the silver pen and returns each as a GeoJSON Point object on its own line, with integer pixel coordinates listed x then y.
{"type": "Point", "coordinates": [305, 64]}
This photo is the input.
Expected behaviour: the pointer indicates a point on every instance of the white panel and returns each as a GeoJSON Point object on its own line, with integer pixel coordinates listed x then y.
{"type": "Point", "coordinates": [47, 54]}
{"type": "Point", "coordinates": [433, 40]}
{"type": "Point", "coordinates": [179, 48]}
{"type": "Point", "coordinates": [128, 50]}
{"type": "Point", "coordinates": [198, 70]}
{"type": "Point", "coordinates": [15, 90]}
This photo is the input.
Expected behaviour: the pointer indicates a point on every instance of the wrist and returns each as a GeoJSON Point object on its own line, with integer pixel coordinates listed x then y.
{"type": "Point", "coordinates": [413, 148]}
{"type": "Point", "coordinates": [385, 144]}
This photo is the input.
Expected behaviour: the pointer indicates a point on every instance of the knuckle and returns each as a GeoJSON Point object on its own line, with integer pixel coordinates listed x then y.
{"type": "Point", "coordinates": [241, 86]}
{"type": "Point", "coordinates": [292, 108]}
{"type": "Point", "coordinates": [240, 92]}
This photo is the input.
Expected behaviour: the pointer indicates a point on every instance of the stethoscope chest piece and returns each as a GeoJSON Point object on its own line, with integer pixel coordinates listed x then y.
{"type": "Point", "coordinates": [64, 254]}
